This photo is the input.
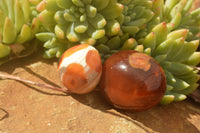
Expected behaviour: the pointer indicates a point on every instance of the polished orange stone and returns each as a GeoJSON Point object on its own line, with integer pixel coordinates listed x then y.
{"type": "Point", "coordinates": [74, 77]}
{"type": "Point", "coordinates": [80, 68]}
{"type": "Point", "coordinates": [132, 80]}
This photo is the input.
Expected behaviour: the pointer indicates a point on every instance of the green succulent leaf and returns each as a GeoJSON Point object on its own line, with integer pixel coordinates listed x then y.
{"type": "Point", "coordinates": [9, 31]}
{"type": "Point", "coordinates": [4, 50]}
{"type": "Point", "coordinates": [24, 35]}
{"type": "Point", "coordinates": [18, 25]}
{"type": "Point", "coordinates": [178, 13]}
{"type": "Point", "coordinates": [167, 99]}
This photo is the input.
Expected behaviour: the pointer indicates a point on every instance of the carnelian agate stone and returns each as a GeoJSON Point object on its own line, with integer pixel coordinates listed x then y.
{"type": "Point", "coordinates": [132, 80]}
{"type": "Point", "coordinates": [80, 68]}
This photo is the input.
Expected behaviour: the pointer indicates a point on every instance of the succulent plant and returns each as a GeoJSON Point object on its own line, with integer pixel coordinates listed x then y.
{"type": "Point", "coordinates": [175, 13]}
{"type": "Point", "coordinates": [110, 45]}
{"type": "Point", "coordinates": [55, 47]}
{"type": "Point", "coordinates": [176, 56]}
{"type": "Point", "coordinates": [107, 19]}
{"type": "Point", "coordinates": [178, 15]}
{"type": "Point", "coordinates": [35, 2]}
{"type": "Point", "coordinates": [181, 14]}
{"type": "Point", "coordinates": [17, 27]}
{"type": "Point", "coordinates": [135, 16]}
{"type": "Point", "coordinates": [80, 21]}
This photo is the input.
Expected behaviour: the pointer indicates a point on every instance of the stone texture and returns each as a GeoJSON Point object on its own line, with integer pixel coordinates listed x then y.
{"type": "Point", "coordinates": [29, 109]}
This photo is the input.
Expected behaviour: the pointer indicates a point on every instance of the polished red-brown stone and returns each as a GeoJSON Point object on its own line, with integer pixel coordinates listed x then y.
{"type": "Point", "coordinates": [132, 80]}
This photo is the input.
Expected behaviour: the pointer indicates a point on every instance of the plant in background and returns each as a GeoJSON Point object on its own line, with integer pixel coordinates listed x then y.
{"type": "Point", "coordinates": [178, 15]}
{"type": "Point", "coordinates": [136, 14]}
{"type": "Point", "coordinates": [18, 27]}
{"type": "Point", "coordinates": [77, 21]}
{"type": "Point", "coordinates": [177, 57]}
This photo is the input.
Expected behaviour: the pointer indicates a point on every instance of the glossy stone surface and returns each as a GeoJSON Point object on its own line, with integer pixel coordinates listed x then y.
{"type": "Point", "coordinates": [80, 68]}
{"type": "Point", "coordinates": [132, 80]}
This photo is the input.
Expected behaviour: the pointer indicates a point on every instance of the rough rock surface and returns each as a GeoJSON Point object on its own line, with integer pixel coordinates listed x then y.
{"type": "Point", "coordinates": [29, 109]}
